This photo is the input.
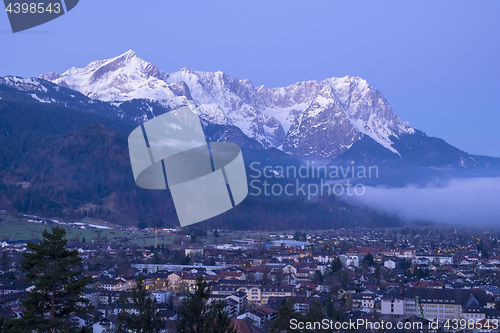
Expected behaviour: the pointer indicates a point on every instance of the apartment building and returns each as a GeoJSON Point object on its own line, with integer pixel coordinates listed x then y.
{"type": "Point", "coordinates": [437, 304]}
{"type": "Point", "coordinates": [256, 294]}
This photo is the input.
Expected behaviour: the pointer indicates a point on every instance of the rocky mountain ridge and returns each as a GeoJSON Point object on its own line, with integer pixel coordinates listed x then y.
{"type": "Point", "coordinates": [318, 119]}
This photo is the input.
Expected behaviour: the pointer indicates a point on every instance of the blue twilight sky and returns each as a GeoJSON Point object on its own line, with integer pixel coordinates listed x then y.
{"type": "Point", "coordinates": [437, 62]}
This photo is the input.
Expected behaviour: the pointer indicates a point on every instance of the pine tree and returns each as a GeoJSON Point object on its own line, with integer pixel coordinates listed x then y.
{"type": "Point", "coordinates": [315, 313]}
{"type": "Point", "coordinates": [286, 313]}
{"type": "Point", "coordinates": [368, 259]}
{"type": "Point", "coordinates": [197, 316]}
{"type": "Point", "coordinates": [139, 312]}
{"type": "Point", "coordinates": [336, 265]}
{"type": "Point", "coordinates": [58, 286]}
{"type": "Point", "coordinates": [218, 320]}
{"type": "Point", "coordinates": [318, 277]}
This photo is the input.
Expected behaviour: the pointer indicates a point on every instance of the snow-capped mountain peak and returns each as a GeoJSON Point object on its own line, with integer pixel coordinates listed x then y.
{"type": "Point", "coordinates": [122, 78]}
{"type": "Point", "coordinates": [312, 118]}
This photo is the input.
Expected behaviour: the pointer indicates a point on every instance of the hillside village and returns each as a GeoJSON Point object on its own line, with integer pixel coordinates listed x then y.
{"type": "Point", "coordinates": [416, 276]}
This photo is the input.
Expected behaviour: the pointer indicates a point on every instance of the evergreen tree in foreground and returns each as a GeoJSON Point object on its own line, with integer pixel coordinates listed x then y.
{"type": "Point", "coordinates": [139, 312]}
{"type": "Point", "coordinates": [286, 313]}
{"type": "Point", "coordinates": [197, 316]}
{"type": "Point", "coordinates": [58, 286]}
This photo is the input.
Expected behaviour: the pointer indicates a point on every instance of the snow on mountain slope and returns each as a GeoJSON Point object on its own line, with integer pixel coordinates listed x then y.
{"type": "Point", "coordinates": [287, 103]}
{"type": "Point", "coordinates": [235, 98]}
{"type": "Point", "coordinates": [313, 118]}
{"type": "Point", "coordinates": [368, 110]}
{"type": "Point", "coordinates": [26, 84]}
{"type": "Point", "coordinates": [125, 77]}
{"type": "Point", "coordinates": [322, 130]}
{"type": "Point", "coordinates": [362, 107]}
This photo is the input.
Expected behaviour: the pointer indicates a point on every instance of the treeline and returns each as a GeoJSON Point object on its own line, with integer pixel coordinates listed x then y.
{"type": "Point", "coordinates": [70, 161]}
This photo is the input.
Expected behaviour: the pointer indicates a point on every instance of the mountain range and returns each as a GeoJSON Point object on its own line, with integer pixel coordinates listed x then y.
{"type": "Point", "coordinates": [337, 121]}
{"type": "Point", "coordinates": [307, 120]}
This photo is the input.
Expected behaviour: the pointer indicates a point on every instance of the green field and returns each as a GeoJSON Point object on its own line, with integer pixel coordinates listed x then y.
{"type": "Point", "coordinates": [13, 229]}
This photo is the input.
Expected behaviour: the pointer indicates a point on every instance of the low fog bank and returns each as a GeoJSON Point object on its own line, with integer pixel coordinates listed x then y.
{"type": "Point", "coordinates": [460, 201]}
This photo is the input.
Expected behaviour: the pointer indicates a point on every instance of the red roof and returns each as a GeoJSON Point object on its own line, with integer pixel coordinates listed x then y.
{"type": "Point", "coordinates": [365, 250]}
{"type": "Point", "coordinates": [266, 310]}
{"type": "Point", "coordinates": [308, 285]}
{"type": "Point", "coordinates": [260, 269]}
{"type": "Point", "coordinates": [426, 284]}
{"type": "Point", "coordinates": [230, 274]}
{"type": "Point", "coordinates": [242, 326]}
